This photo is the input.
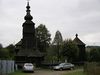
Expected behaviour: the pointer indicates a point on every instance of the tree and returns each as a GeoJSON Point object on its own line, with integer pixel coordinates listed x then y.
{"type": "Point", "coordinates": [51, 56]}
{"type": "Point", "coordinates": [70, 50]}
{"type": "Point", "coordinates": [1, 51]}
{"type": "Point", "coordinates": [1, 46]}
{"type": "Point", "coordinates": [43, 38]}
{"type": "Point", "coordinates": [4, 54]}
{"type": "Point", "coordinates": [7, 52]}
{"type": "Point", "coordinates": [11, 50]}
{"type": "Point", "coordinates": [94, 55]}
{"type": "Point", "coordinates": [57, 45]}
{"type": "Point", "coordinates": [58, 38]}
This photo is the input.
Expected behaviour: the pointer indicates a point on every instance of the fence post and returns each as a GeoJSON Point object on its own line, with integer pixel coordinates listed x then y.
{"type": "Point", "coordinates": [12, 66]}
{"type": "Point", "coordinates": [3, 67]}
{"type": "Point", "coordinates": [0, 68]}
{"type": "Point", "coordinates": [6, 66]}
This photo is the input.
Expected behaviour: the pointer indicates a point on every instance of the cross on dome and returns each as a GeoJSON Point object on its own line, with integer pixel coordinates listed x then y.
{"type": "Point", "coordinates": [28, 0]}
{"type": "Point", "coordinates": [76, 35]}
{"type": "Point", "coordinates": [28, 15]}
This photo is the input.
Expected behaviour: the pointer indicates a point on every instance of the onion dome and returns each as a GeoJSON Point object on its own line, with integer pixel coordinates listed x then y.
{"type": "Point", "coordinates": [28, 15]}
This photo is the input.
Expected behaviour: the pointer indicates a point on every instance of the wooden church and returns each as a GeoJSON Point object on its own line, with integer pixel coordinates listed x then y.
{"type": "Point", "coordinates": [82, 52]}
{"type": "Point", "coordinates": [26, 50]}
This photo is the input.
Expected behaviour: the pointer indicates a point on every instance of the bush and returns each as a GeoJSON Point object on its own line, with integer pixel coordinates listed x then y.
{"type": "Point", "coordinates": [92, 68]}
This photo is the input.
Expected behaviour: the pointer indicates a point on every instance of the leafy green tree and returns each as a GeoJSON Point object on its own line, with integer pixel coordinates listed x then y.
{"type": "Point", "coordinates": [57, 39]}
{"type": "Point", "coordinates": [7, 52]}
{"type": "Point", "coordinates": [94, 55]}
{"type": "Point", "coordinates": [11, 50]}
{"type": "Point", "coordinates": [1, 46]}
{"type": "Point", "coordinates": [4, 54]}
{"type": "Point", "coordinates": [1, 50]}
{"type": "Point", "coordinates": [51, 56]}
{"type": "Point", "coordinates": [43, 38]}
{"type": "Point", "coordinates": [70, 50]}
{"type": "Point", "coordinates": [57, 45]}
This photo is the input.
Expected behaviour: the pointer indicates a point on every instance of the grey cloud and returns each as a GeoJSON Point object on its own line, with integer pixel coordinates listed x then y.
{"type": "Point", "coordinates": [68, 16]}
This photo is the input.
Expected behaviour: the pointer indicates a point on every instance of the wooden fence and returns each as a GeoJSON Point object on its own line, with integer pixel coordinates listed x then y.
{"type": "Point", "coordinates": [6, 67]}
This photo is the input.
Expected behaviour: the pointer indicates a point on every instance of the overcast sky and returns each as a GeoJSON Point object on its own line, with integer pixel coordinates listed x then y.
{"type": "Point", "coordinates": [67, 16]}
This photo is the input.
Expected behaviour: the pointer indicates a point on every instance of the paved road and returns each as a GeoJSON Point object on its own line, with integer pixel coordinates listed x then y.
{"type": "Point", "coordinates": [51, 72]}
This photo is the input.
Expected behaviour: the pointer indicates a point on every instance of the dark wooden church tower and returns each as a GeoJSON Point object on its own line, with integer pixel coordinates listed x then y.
{"type": "Point", "coordinates": [26, 50]}
{"type": "Point", "coordinates": [81, 46]}
{"type": "Point", "coordinates": [28, 41]}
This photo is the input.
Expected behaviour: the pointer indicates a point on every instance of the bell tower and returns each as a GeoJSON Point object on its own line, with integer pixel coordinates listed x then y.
{"type": "Point", "coordinates": [28, 40]}
{"type": "Point", "coordinates": [26, 50]}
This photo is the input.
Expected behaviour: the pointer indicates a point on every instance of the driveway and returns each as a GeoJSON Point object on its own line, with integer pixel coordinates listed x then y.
{"type": "Point", "coordinates": [51, 72]}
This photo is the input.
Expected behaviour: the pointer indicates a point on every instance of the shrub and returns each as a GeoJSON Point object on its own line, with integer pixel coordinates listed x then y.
{"type": "Point", "coordinates": [92, 68]}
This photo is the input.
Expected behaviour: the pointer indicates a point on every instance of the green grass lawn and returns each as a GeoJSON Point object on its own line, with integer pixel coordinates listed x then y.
{"type": "Point", "coordinates": [80, 72]}
{"type": "Point", "coordinates": [19, 73]}
{"type": "Point", "coordinates": [74, 72]}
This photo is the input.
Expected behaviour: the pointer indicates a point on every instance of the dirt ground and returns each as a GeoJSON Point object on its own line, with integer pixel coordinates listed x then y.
{"type": "Point", "coordinates": [51, 72]}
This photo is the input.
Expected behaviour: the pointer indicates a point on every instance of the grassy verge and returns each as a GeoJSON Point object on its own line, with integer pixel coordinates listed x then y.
{"type": "Point", "coordinates": [79, 72]}
{"type": "Point", "coordinates": [19, 73]}
{"type": "Point", "coordinates": [92, 68]}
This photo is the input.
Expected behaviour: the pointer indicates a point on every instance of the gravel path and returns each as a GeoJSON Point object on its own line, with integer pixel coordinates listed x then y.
{"type": "Point", "coordinates": [51, 72]}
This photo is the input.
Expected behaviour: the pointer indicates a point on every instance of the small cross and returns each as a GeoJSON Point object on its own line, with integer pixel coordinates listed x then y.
{"type": "Point", "coordinates": [76, 35]}
{"type": "Point", "coordinates": [28, 0]}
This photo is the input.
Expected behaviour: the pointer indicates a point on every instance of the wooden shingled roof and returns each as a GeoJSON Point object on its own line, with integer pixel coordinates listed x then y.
{"type": "Point", "coordinates": [78, 41]}
{"type": "Point", "coordinates": [30, 53]}
{"type": "Point", "coordinates": [19, 43]}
